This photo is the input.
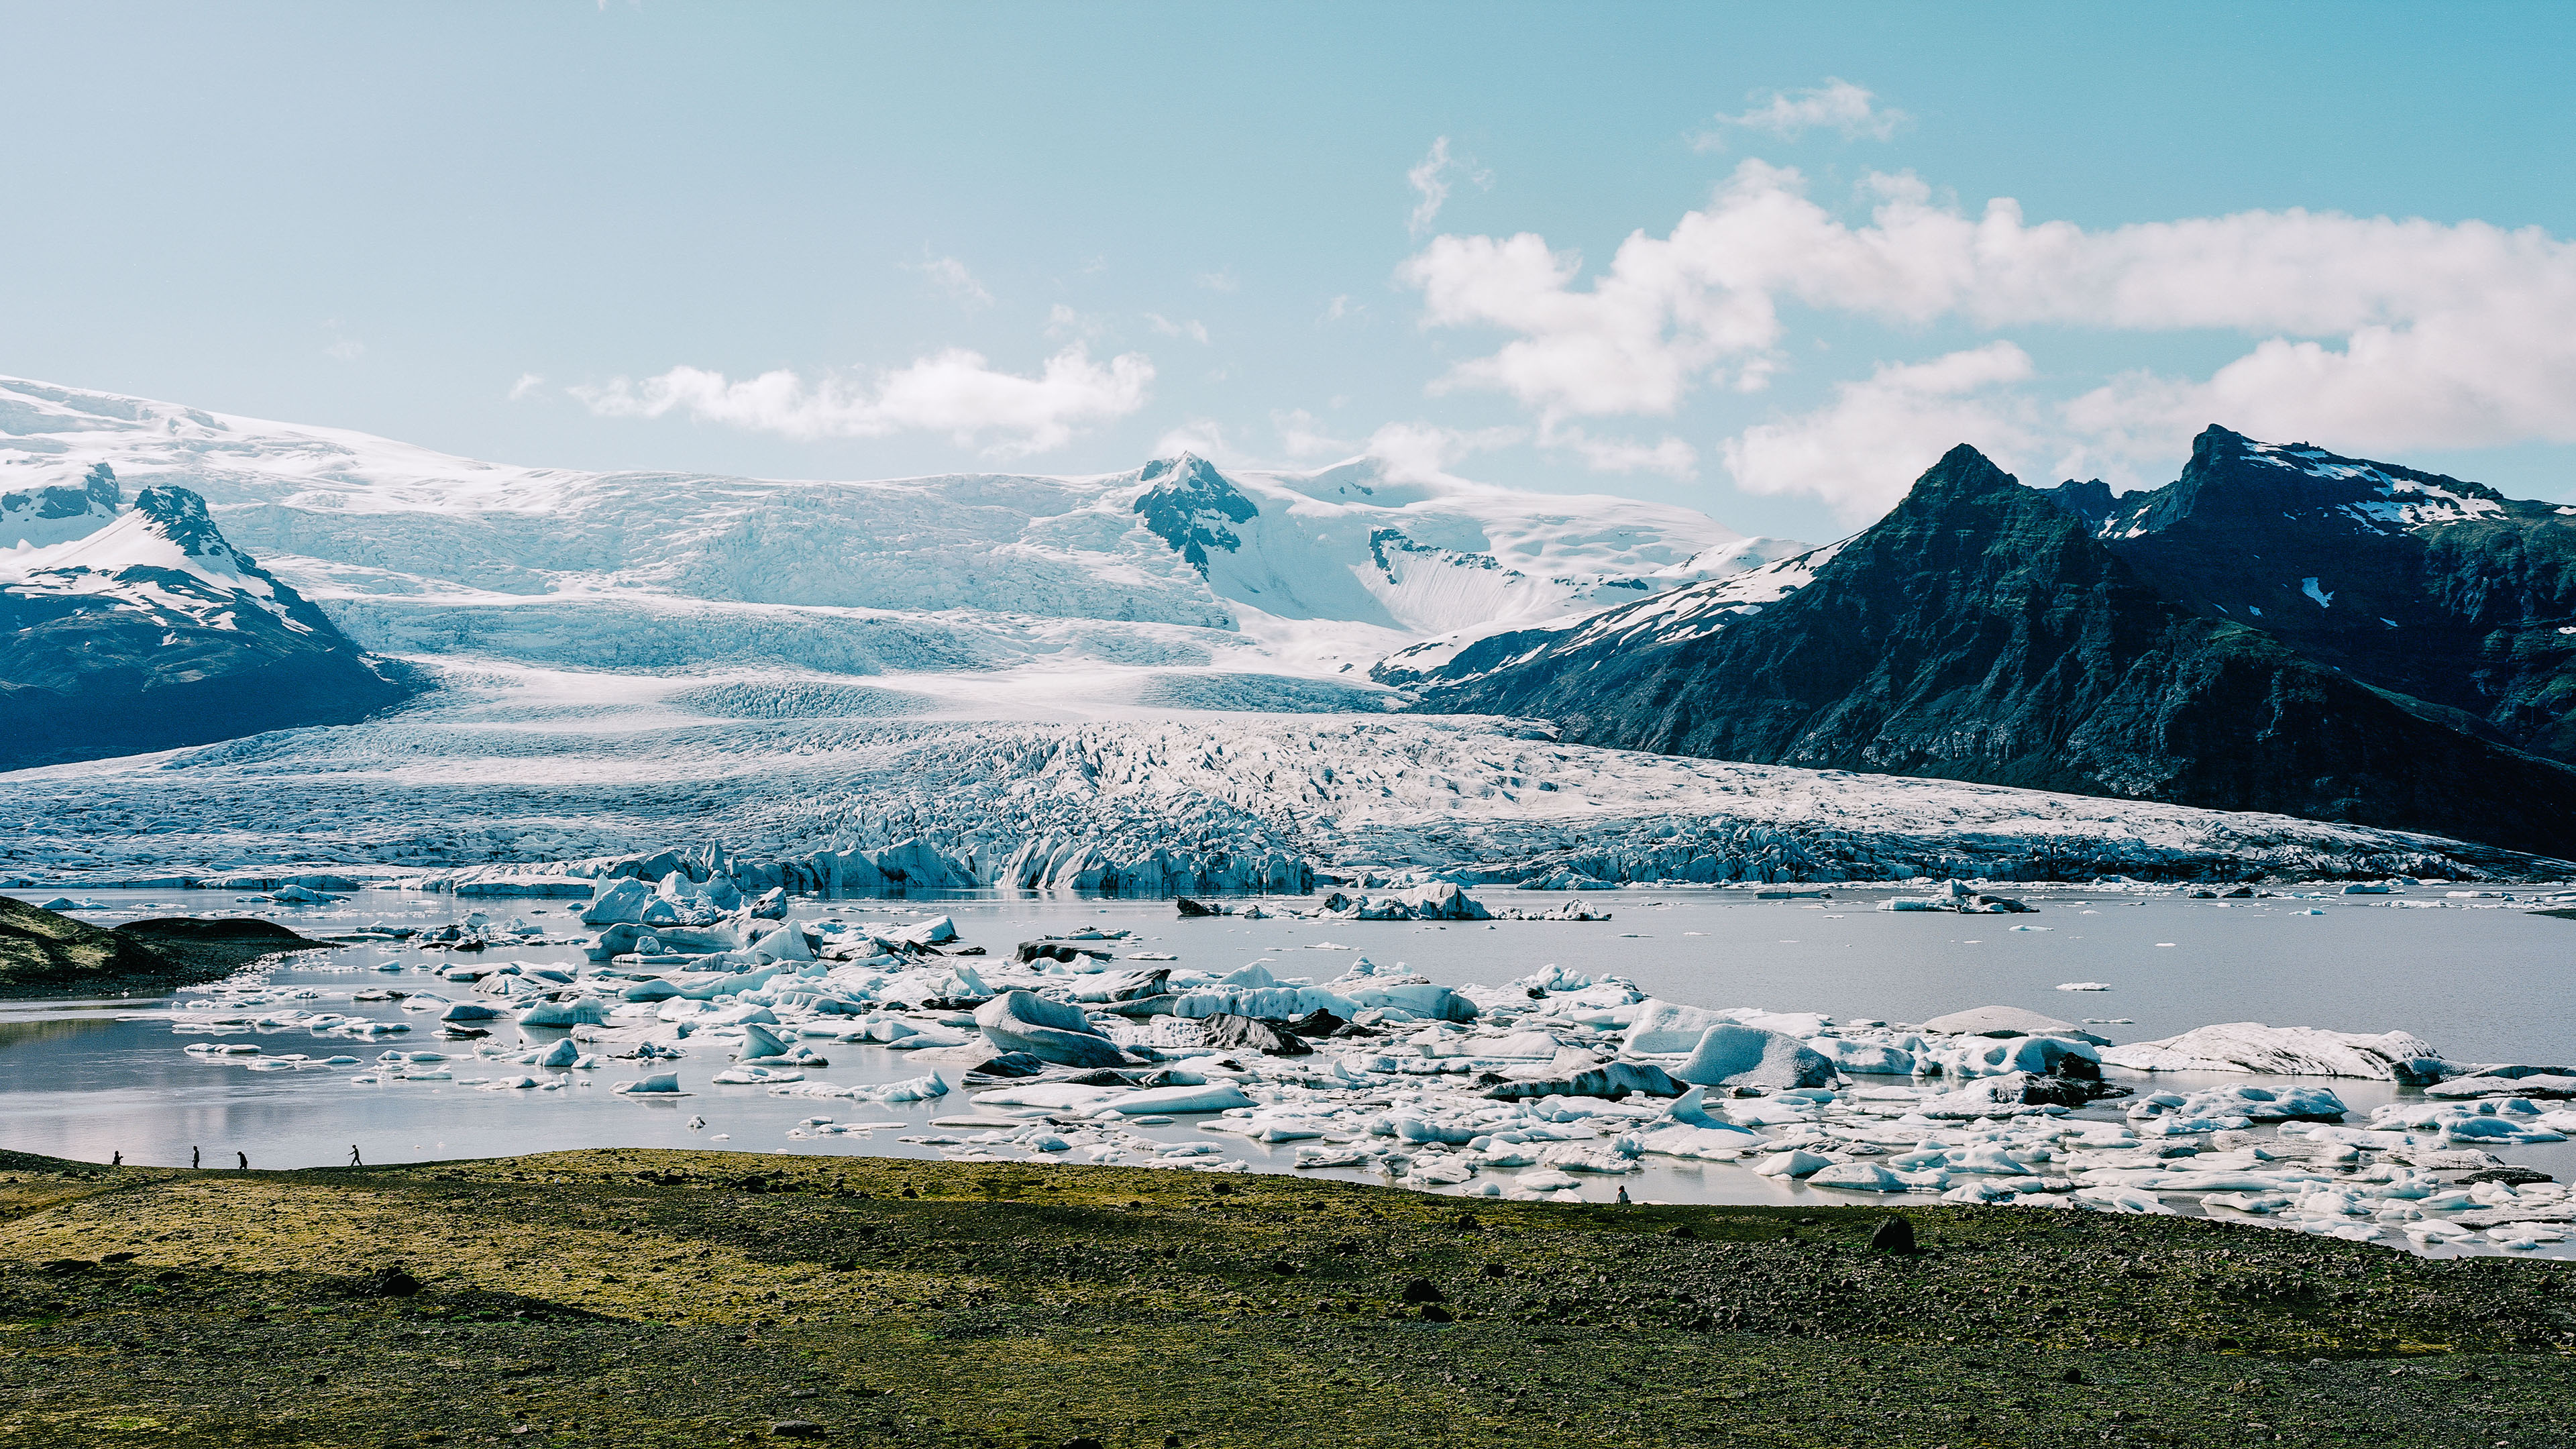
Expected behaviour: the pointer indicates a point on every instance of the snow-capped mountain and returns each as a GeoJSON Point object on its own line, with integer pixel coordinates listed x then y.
{"type": "Point", "coordinates": [152, 632]}
{"type": "Point", "coordinates": [43, 514]}
{"type": "Point", "coordinates": [1086, 590]}
{"type": "Point", "coordinates": [2442, 590]}
{"type": "Point", "coordinates": [1980, 633]}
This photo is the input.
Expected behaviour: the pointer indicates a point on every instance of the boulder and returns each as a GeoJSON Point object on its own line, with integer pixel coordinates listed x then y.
{"type": "Point", "coordinates": [1021, 1021]}
{"type": "Point", "coordinates": [1746, 1056]}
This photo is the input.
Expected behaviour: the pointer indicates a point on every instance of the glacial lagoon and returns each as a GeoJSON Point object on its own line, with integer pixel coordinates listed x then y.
{"type": "Point", "coordinates": [2484, 978]}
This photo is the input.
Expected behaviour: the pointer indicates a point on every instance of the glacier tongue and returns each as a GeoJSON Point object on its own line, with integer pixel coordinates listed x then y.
{"type": "Point", "coordinates": [485, 771]}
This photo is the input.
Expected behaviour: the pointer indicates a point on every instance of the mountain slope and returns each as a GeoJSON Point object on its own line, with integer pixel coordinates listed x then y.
{"type": "Point", "coordinates": [153, 632]}
{"type": "Point", "coordinates": [1979, 632]}
{"type": "Point", "coordinates": [1174, 565]}
{"type": "Point", "coordinates": [2443, 590]}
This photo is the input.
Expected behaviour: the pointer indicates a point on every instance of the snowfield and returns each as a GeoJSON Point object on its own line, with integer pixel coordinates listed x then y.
{"type": "Point", "coordinates": [1001, 668]}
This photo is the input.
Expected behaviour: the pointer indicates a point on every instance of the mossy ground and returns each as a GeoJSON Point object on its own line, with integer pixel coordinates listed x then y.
{"type": "Point", "coordinates": [633, 1298]}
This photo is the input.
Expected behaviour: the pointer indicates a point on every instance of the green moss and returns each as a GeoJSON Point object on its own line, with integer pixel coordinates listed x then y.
{"type": "Point", "coordinates": [652, 1298]}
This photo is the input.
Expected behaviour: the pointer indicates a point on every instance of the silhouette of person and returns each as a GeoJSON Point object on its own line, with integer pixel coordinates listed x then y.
{"type": "Point", "coordinates": [245, 1160]}
{"type": "Point", "coordinates": [116, 1159]}
{"type": "Point", "coordinates": [196, 1156]}
{"type": "Point", "coordinates": [353, 1156]}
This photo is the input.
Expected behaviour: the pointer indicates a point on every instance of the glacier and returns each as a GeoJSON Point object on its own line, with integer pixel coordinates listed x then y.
{"type": "Point", "coordinates": [1147, 680]}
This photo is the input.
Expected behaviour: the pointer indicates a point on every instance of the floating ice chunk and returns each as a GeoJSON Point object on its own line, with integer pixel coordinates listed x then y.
{"type": "Point", "coordinates": [662, 1084]}
{"type": "Point", "coordinates": [1048, 1030]}
{"type": "Point", "coordinates": [2293, 1051]}
{"type": "Point", "coordinates": [1863, 1057]}
{"type": "Point", "coordinates": [1793, 1163]}
{"type": "Point", "coordinates": [1857, 1177]}
{"type": "Point", "coordinates": [2081, 985]}
{"type": "Point", "coordinates": [1730, 1055]}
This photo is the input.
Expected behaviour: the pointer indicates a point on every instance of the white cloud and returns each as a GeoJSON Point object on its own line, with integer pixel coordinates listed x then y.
{"type": "Point", "coordinates": [1862, 451]}
{"type": "Point", "coordinates": [1303, 435]}
{"type": "Point", "coordinates": [1422, 452]}
{"type": "Point", "coordinates": [2368, 333]}
{"type": "Point", "coordinates": [1341, 307]}
{"type": "Point", "coordinates": [1222, 280]}
{"type": "Point", "coordinates": [1430, 179]}
{"type": "Point", "coordinates": [1668, 455]}
{"type": "Point", "coordinates": [1194, 329]}
{"type": "Point", "coordinates": [1203, 436]}
{"type": "Point", "coordinates": [952, 392]}
{"type": "Point", "coordinates": [526, 387]}
{"type": "Point", "coordinates": [1837, 103]}
{"type": "Point", "coordinates": [950, 276]}
{"type": "Point", "coordinates": [347, 349]}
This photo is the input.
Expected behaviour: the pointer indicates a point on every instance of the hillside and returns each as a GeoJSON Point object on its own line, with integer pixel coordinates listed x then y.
{"type": "Point", "coordinates": [1979, 632]}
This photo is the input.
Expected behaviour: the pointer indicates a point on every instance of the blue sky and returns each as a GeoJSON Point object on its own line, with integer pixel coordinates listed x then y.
{"type": "Point", "coordinates": [855, 241]}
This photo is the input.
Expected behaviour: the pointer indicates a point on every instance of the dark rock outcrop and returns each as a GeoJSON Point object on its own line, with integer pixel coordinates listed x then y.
{"type": "Point", "coordinates": [44, 953]}
{"type": "Point", "coordinates": [1980, 632]}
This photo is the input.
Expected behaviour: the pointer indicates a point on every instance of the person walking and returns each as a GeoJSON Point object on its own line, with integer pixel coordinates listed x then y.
{"type": "Point", "coordinates": [116, 1159]}
{"type": "Point", "coordinates": [196, 1157]}
{"type": "Point", "coordinates": [245, 1160]}
{"type": "Point", "coordinates": [353, 1156]}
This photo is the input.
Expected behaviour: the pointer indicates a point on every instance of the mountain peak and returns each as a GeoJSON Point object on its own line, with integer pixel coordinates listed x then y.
{"type": "Point", "coordinates": [1962, 472]}
{"type": "Point", "coordinates": [179, 515]}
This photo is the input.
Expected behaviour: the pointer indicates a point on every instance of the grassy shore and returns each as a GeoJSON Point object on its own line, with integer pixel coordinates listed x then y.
{"type": "Point", "coordinates": [633, 1298]}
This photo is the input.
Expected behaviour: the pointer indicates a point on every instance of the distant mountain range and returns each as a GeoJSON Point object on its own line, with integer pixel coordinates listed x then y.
{"type": "Point", "coordinates": [2281, 629]}
{"type": "Point", "coordinates": [1171, 585]}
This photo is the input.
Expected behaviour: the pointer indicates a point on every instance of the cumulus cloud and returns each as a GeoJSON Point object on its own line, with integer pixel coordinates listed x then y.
{"type": "Point", "coordinates": [954, 392]}
{"type": "Point", "coordinates": [1861, 451]}
{"type": "Point", "coordinates": [1837, 103]}
{"type": "Point", "coordinates": [526, 387]}
{"type": "Point", "coordinates": [2370, 333]}
{"type": "Point", "coordinates": [1303, 435]}
{"type": "Point", "coordinates": [1203, 436]}
{"type": "Point", "coordinates": [1430, 179]}
{"type": "Point", "coordinates": [1423, 452]}
{"type": "Point", "coordinates": [1668, 455]}
{"type": "Point", "coordinates": [950, 276]}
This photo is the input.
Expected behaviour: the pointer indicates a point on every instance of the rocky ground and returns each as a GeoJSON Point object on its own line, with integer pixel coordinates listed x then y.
{"type": "Point", "coordinates": [46, 954]}
{"type": "Point", "coordinates": [661, 1298]}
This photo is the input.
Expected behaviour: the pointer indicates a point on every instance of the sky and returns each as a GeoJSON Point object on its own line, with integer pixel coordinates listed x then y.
{"type": "Point", "coordinates": [1766, 261]}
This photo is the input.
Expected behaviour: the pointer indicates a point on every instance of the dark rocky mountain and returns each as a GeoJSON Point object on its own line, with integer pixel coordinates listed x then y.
{"type": "Point", "coordinates": [1982, 632]}
{"type": "Point", "coordinates": [1190, 505]}
{"type": "Point", "coordinates": [153, 632]}
{"type": "Point", "coordinates": [2442, 590]}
